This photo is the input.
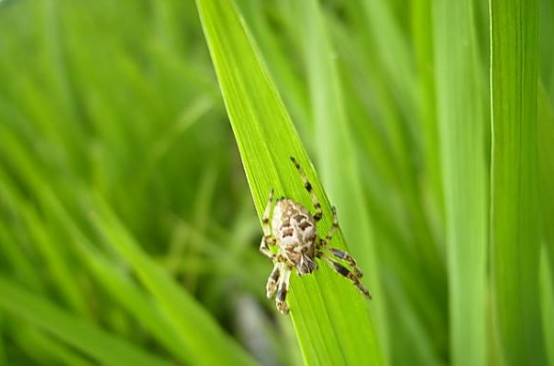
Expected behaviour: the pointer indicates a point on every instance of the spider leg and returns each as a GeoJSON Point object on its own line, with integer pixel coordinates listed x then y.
{"type": "Point", "coordinates": [315, 201]}
{"type": "Point", "coordinates": [306, 266]}
{"type": "Point", "coordinates": [346, 257]}
{"type": "Point", "coordinates": [334, 227]}
{"type": "Point", "coordinates": [354, 278]}
{"type": "Point", "coordinates": [271, 285]}
{"type": "Point", "coordinates": [268, 205]}
{"type": "Point", "coordinates": [268, 238]}
{"type": "Point", "coordinates": [321, 244]}
{"type": "Point", "coordinates": [264, 246]}
{"type": "Point", "coordinates": [281, 296]}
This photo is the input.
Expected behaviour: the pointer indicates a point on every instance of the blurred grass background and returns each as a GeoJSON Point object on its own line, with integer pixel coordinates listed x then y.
{"type": "Point", "coordinates": [127, 230]}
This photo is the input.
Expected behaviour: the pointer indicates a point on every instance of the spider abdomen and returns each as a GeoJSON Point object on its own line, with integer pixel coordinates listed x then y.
{"type": "Point", "coordinates": [295, 232]}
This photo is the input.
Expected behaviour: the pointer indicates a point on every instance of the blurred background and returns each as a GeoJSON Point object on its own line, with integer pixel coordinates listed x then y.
{"type": "Point", "coordinates": [113, 106]}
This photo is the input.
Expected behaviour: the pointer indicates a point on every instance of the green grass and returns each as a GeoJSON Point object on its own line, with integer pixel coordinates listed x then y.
{"type": "Point", "coordinates": [130, 206]}
{"type": "Point", "coordinates": [335, 153]}
{"type": "Point", "coordinates": [266, 139]}
{"type": "Point", "coordinates": [515, 221]}
{"type": "Point", "coordinates": [462, 120]}
{"type": "Point", "coordinates": [545, 130]}
{"type": "Point", "coordinates": [101, 346]}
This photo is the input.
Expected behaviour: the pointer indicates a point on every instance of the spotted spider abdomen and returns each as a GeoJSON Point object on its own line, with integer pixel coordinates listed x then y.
{"type": "Point", "coordinates": [295, 232]}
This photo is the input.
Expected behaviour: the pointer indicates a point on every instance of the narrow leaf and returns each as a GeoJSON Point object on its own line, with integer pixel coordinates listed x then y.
{"type": "Point", "coordinates": [546, 173]}
{"type": "Point", "coordinates": [98, 344]}
{"type": "Point", "coordinates": [461, 122]}
{"type": "Point", "coordinates": [515, 207]}
{"type": "Point", "coordinates": [204, 340]}
{"type": "Point", "coordinates": [336, 153]}
{"type": "Point", "coordinates": [330, 317]}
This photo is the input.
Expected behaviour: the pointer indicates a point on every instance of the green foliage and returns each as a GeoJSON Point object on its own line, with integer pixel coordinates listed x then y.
{"type": "Point", "coordinates": [515, 221]}
{"type": "Point", "coordinates": [462, 122]}
{"type": "Point", "coordinates": [336, 155]}
{"type": "Point", "coordinates": [127, 230]}
{"type": "Point", "coordinates": [204, 342]}
{"type": "Point", "coordinates": [100, 345]}
{"type": "Point", "coordinates": [266, 139]}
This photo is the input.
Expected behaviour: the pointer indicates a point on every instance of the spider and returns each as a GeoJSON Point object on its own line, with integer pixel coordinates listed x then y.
{"type": "Point", "coordinates": [291, 241]}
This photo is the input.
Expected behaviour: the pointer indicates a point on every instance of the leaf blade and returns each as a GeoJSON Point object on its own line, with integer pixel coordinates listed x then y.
{"type": "Point", "coordinates": [462, 125]}
{"type": "Point", "coordinates": [266, 139]}
{"type": "Point", "coordinates": [205, 341]}
{"type": "Point", "coordinates": [336, 154]}
{"type": "Point", "coordinates": [99, 344]}
{"type": "Point", "coordinates": [515, 220]}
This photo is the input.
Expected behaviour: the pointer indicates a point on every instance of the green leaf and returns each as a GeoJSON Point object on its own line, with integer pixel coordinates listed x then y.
{"type": "Point", "coordinates": [46, 349]}
{"type": "Point", "coordinates": [547, 288]}
{"type": "Point", "coordinates": [136, 302]}
{"type": "Point", "coordinates": [199, 339]}
{"type": "Point", "coordinates": [424, 44]}
{"type": "Point", "coordinates": [330, 317]}
{"type": "Point", "coordinates": [410, 329]}
{"type": "Point", "coordinates": [3, 359]}
{"type": "Point", "coordinates": [89, 339]}
{"type": "Point", "coordinates": [461, 122]}
{"type": "Point", "coordinates": [546, 173]}
{"type": "Point", "coordinates": [405, 117]}
{"type": "Point", "coordinates": [515, 206]}
{"type": "Point", "coordinates": [336, 154]}
{"type": "Point", "coordinates": [204, 340]}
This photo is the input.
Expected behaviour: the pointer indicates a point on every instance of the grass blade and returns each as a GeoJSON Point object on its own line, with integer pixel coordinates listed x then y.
{"type": "Point", "coordinates": [424, 45]}
{"type": "Point", "coordinates": [515, 206]}
{"type": "Point", "coordinates": [546, 174]}
{"type": "Point", "coordinates": [384, 182]}
{"type": "Point", "coordinates": [47, 350]}
{"type": "Point", "coordinates": [461, 122]}
{"type": "Point", "coordinates": [330, 317]}
{"type": "Point", "coordinates": [547, 289]}
{"type": "Point", "coordinates": [136, 302]}
{"type": "Point", "coordinates": [198, 338]}
{"type": "Point", "coordinates": [99, 344]}
{"type": "Point", "coordinates": [396, 65]}
{"type": "Point", "coordinates": [336, 153]}
{"type": "Point", "coordinates": [206, 343]}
